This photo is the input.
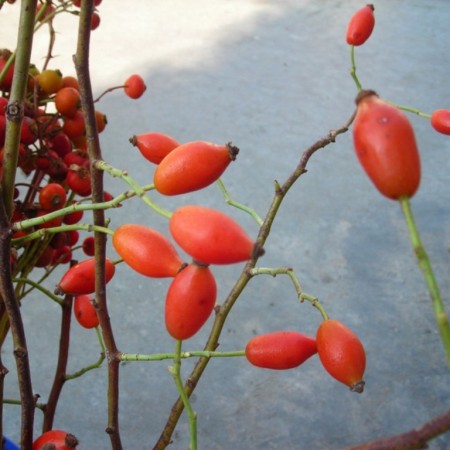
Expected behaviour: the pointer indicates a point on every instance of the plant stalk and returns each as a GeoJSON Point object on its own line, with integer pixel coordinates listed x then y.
{"type": "Point", "coordinates": [430, 280]}
{"type": "Point", "coordinates": [14, 116]}
{"type": "Point", "coordinates": [81, 60]}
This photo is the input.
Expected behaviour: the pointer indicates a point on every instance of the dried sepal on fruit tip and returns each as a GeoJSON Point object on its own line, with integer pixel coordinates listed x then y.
{"type": "Point", "coordinates": [233, 151]}
{"type": "Point", "coordinates": [363, 94]}
{"type": "Point", "coordinates": [358, 387]}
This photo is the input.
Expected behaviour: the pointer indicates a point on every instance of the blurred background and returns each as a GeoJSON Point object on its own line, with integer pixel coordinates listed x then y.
{"type": "Point", "coordinates": [273, 78]}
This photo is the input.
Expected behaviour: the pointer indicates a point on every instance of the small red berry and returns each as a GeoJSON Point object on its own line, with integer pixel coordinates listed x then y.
{"type": "Point", "coordinates": [135, 86]}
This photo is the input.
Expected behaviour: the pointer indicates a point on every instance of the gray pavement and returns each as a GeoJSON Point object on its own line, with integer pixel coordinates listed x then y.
{"type": "Point", "coordinates": [272, 77]}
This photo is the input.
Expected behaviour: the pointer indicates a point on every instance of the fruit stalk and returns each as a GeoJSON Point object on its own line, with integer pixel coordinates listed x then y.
{"type": "Point", "coordinates": [175, 370]}
{"type": "Point", "coordinates": [132, 357]}
{"type": "Point", "coordinates": [137, 189]}
{"type": "Point", "coordinates": [430, 280]}
{"type": "Point", "coordinates": [353, 68]}
{"type": "Point", "coordinates": [302, 296]}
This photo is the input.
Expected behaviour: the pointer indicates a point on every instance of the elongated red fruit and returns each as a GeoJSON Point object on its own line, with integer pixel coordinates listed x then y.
{"type": "Point", "coordinates": [360, 26]}
{"type": "Point", "coordinates": [192, 166]}
{"type": "Point", "coordinates": [440, 120]}
{"type": "Point", "coordinates": [146, 250]}
{"type": "Point", "coordinates": [341, 353]}
{"type": "Point", "coordinates": [386, 146]}
{"type": "Point", "coordinates": [210, 236]}
{"type": "Point", "coordinates": [80, 279]}
{"type": "Point", "coordinates": [154, 146]}
{"type": "Point", "coordinates": [280, 350]}
{"type": "Point", "coordinates": [190, 301]}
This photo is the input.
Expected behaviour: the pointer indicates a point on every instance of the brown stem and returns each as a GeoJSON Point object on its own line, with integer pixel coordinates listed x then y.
{"type": "Point", "coordinates": [82, 68]}
{"type": "Point", "coordinates": [244, 278]}
{"type": "Point", "coordinates": [51, 43]}
{"type": "Point", "coordinates": [413, 439]}
{"type": "Point", "coordinates": [11, 303]}
{"type": "Point", "coordinates": [61, 366]}
{"type": "Point", "coordinates": [107, 91]}
{"type": "Point", "coordinates": [3, 372]}
{"type": "Point", "coordinates": [14, 116]}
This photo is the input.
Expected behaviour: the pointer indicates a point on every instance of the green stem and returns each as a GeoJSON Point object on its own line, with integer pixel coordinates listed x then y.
{"type": "Point", "coordinates": [40, 288]}
{"type": "Point", "coordinates": [96, 365]}
{"type": "Point", "coordinates": [15, 109]}
{"type": "Point", "coordinates": [14, 116]}
{"type": "Point", "coordinates": [140, 192]}
{"type": "Point", "coordinates": [63, 228]}
{"type": "Point", "coordinates": [302, 296]}
{"type": "Point", "coordinates": [11, 401]}
{"type": "Point", "coordinates": [430, 280]}
{"type": "Point", "coordinates": [414, 111]}
{"type": "Point", "coordinates": [183, 355]}
{"type": "Point", "coordinates": [238, 205]}
{"type": "Point", "coordinates": [353, 69]}
{"type": "Point", "coordinates": [175, 370]}
{"type": "Point", "coordinates": [114, 203]}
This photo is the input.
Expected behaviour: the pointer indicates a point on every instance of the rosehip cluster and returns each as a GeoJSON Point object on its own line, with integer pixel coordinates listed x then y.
{"type": "Point", "coordinates": [208, 236]}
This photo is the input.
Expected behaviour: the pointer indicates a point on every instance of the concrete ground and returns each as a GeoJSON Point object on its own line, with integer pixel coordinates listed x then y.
{"type": "Point", "coordinates": [272, 77]}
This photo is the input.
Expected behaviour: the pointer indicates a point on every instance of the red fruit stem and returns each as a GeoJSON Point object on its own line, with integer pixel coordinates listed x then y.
{"type": "Point", "coordinates": [106, 91]}
{"type": "Point", "coordinates": [61, 365]}
{"type": "Point", "coordinates": [81, 60]}
{"type": "Point", "coordinates": [415, 438]}
{"type": "Point", "coordinates": [52, 39]}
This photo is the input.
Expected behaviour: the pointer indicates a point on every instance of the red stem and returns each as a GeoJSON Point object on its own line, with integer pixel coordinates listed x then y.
{"type": "Point", "coordinates": [61, 366]}
{"type": "Point", "coordinates": [413, 439]}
